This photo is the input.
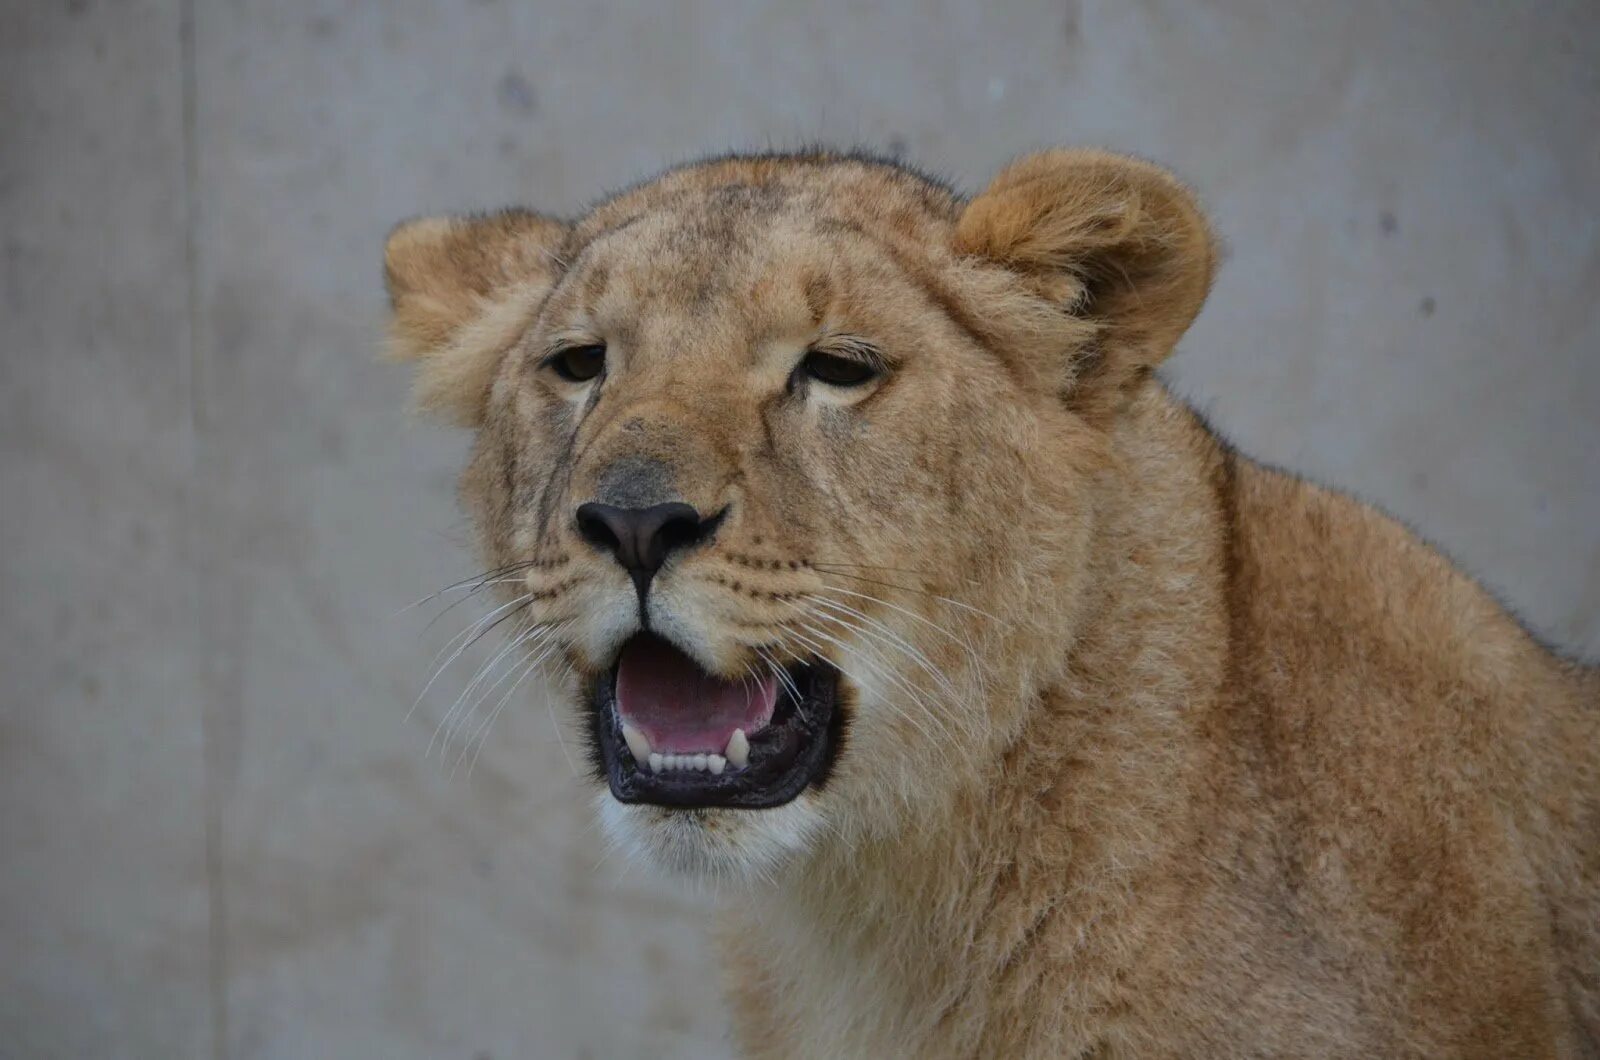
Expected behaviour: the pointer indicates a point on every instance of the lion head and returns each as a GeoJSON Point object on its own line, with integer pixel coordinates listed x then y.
{"type": "Point", "coordinates": [791, 460]}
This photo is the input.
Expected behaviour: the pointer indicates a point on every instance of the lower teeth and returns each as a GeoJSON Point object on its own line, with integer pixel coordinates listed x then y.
{"type": "Point", "coordinates": [735, 754]}
{"type": "Point", "coordinates": [712, 763]}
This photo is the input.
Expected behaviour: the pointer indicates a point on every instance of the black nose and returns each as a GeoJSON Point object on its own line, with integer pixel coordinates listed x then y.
{"type": "Point", "coordinates": [643, 538]}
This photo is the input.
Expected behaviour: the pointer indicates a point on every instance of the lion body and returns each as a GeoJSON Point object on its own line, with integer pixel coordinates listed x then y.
{"type": "Point", "coordinates": [1150, 751]}
{"type": "Point", "coordinates": [1306, 791]}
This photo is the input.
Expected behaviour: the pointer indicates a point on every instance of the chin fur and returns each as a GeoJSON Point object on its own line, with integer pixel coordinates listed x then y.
{"type": "Point", "coordinates": [713, 846]}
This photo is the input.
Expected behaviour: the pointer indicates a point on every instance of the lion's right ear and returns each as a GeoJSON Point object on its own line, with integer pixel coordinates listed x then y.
{"type": "Point", "coordinates": [462, 290]}
{"type": "Point", "coordinates": [1119, 243]}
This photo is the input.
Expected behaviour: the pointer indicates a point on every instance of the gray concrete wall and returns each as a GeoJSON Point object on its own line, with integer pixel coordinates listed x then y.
{"type": "Point", "coordinates": [222, 835]}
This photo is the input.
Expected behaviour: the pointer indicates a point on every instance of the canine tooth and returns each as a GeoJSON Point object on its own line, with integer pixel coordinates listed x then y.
{"type": "Point", "coordinates": [700, 762]}
{"type": "Point", "coordinates": [738, 750]}
{"type": "Point", "coordinates": [657, 764]}
{"type": "Point", "coordinates": [638, 743]}
{"type": "Point", "coordinates": [716, 763]}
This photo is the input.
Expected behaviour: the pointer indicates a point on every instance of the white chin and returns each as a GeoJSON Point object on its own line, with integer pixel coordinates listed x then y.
{"type": "Point", "coordinates": [716, 846]}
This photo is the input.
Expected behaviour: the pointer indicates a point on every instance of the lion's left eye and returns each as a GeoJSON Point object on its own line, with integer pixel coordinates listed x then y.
{"type": "Point", "coordinates": [578, 364]}
{"type": "Point", "coordinates": [837, 371]}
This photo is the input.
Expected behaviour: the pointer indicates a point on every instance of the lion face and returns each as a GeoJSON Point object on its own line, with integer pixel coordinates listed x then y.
{"type": "Point", "coordinates": [791, 463]}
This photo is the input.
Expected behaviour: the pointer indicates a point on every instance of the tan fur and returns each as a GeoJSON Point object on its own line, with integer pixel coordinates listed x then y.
{"type": "Point", "coordinates": [1152, 751]}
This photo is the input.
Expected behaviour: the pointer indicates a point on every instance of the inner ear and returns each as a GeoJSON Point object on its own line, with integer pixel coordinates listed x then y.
{"type": "Point", "coordinates": [462, 290]}
{"type": "Point", "coordinates": [1116, 241]}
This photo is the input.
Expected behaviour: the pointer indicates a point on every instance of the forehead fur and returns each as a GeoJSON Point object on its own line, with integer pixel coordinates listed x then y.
{"type": "Point", "coordinates": [876, 197]}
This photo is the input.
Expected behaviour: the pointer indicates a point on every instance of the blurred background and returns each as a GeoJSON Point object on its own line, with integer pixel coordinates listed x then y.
{"type": "Point", "coordinates": [221, 834]}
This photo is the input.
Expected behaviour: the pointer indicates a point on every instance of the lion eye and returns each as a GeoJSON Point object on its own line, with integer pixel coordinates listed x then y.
{"type": "Point", "coordinates": [578, 364]}
{"type": "Point", "coordinates": [835, 370]}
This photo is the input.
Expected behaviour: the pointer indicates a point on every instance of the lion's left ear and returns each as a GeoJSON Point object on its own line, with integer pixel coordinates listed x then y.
{"type": "Point", "coordinates": [1119, 242]}
{"type": "Point", "coordinates": [463, 289]}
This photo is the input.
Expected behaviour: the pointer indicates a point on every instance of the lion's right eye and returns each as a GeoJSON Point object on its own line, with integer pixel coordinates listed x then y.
{"type": "Point", "coordinates": [578, 364]}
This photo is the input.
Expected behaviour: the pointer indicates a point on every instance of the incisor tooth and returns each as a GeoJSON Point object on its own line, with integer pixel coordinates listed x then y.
{"type": "Point", "coordinates": [738, 750]}
{"type": "Point", "coordinates": [637, 742]}
{"type": "Point", "coordinates": [700, 762]}
{"type": "Point", "coordinates": [656, 762]}
{"type": "Point", "coordinates": [716, 763]}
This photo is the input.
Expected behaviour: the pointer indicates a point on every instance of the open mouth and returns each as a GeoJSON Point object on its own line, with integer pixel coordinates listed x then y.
{"type": "Point", "coordinates": [671, 734]}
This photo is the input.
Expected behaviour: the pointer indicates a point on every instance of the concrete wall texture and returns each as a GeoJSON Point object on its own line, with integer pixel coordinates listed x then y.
{"type": "Point", "coordinates": [221, 833]}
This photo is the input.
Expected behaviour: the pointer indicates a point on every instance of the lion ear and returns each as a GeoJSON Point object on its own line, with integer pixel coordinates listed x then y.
{"type": "Point", "coordinates": [1119, 242]}
{"type": "Point", "coordinates": [462, 290]}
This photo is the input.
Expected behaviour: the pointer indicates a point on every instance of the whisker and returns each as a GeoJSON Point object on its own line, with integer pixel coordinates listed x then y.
{"type": "Point", "coordinates": [480, 736]}
{"type": "Point", "coordinates": [470, 593]}
{"type": "Point", "coordinates": [916, 655]}
{"type": "Point", "coordinates": [947, 707]}
{"type": "Point", "coordinates": [528, 642]}
{"type": "Point", "coordinates": [919, 592]}
{"type": "Point", "coordinates": [869, 566]}
{"type": "Point", "coordinates": [466, 639]}
{"type": "Point", "coordinates": [782, 674]}
{"type": "Point", "coordinates": [781, 678]}
{"type": "Point", "coordinates": [907, 716]}
{"type": "Point", "coordinates": [550, 709]}
{"type": "Point", "coordinates": [522, 669]}
{"type": "Point", "coordinates": [972, 652]}
{"type": "Point", "coordinates": [941, 742]}
{"type": "Point", "coordinates": [479, 578]}
{"type": "Point", "coordinates": [902, 610]}
{"type": "Point", "coordinates": [517, 614]}
{"type": "Point", "coordinates": [946, 699]}
{"type": "Point", "coordinates": [448, 724]}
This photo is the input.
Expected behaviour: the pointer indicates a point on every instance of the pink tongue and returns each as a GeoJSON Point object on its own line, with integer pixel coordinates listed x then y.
{"type": "Point", "coordinates": [679, 706]}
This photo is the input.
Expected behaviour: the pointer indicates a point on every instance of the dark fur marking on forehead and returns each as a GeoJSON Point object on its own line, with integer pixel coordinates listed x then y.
{"type": "Point", "coordinates": [731, 214]}
{"type": "Point", "coordinates": [818, 295]}
{"type": "Point", "coordinates": [710, 282]}
{"type": "Point", "coordinates": [596, 283]}
{"type": "Point", "coordinates": [753, 198]}
{"type": "Point", "coordinates": [835, 225]}
{"type": "Point", "coordinates": [713, 215]}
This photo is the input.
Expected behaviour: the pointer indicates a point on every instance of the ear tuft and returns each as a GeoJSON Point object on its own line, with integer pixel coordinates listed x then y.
{"type": "Point", "coordinates": [462, 290]}
{"type": "Point", "coordinates": [1115, 240]}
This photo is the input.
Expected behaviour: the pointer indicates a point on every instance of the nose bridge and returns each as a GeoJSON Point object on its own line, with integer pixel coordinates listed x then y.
{"type": "Point", "coordinates": [656, 451]}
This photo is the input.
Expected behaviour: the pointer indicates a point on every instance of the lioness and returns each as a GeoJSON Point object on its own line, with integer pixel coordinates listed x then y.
{"type": "Point", "coordinates": [1020, 714]}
